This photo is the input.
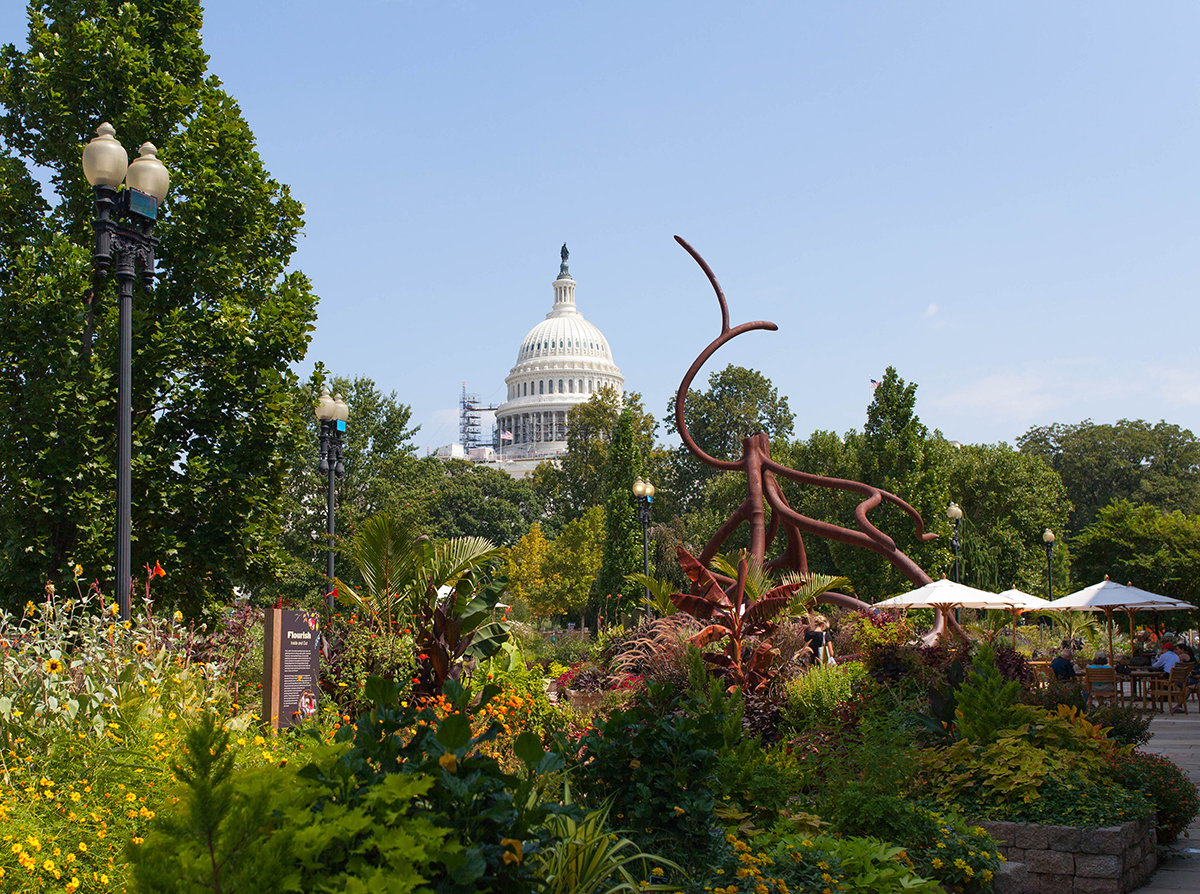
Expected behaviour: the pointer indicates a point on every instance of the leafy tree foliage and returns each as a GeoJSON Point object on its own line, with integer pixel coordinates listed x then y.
{"type": "Point", "coordinates": [383, 475]}
{"type": "Point", "coordinates": [739, 402]}
{"type": "Point", "coordinates": [1157, 465]}
{"type": "Point", "coordinates": [1008, 499]}
{"type": "Point", "coordinates": [475, 501]}
{"type": "Point", "coordinates": [622, 532]}
{"type": "Point", "coordinates": [524, 566]}
{"type": "Point", "coordinates": [555, 577]}
{"type": "Point", "coordinates": [213, 344]}
{"type": "Point", "coordinates": [573, 561]}
{"type": "Point", "coordinates": [897, 453]}
{"type": "Point", "coordinates": [1155, 550]}
{"type": "Point", "coordinates": [577, 482]}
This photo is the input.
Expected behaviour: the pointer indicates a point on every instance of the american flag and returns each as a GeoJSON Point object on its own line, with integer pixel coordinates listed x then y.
{"type": "Point", "coordinates": [874, 384]}
{"type": "Point", "coordinates": [506, 436]}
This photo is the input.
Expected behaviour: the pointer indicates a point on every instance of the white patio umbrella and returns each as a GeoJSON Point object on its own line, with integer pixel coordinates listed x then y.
{"type": "Point", "coordinates": [1015, 602]}
{"type": "Point", "coordinates": [1108, 596]}
{"type": "Point", "coordinates": [942, 594]}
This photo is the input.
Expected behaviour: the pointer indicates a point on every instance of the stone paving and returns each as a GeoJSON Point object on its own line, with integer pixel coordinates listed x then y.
{"type": "Point", "coordinates": [1177, 736]}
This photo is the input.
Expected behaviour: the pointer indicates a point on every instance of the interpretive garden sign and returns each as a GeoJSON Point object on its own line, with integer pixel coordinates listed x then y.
{"type": "Point", "coordinates": [291, 666]}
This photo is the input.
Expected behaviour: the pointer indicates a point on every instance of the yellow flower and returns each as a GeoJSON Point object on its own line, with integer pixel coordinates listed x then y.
{"type": "Point", "coordinates": [177, 617]}
{"type": "Point", "coordinates": [131, 797]}
{"type": "Point", "coordinates": [449, 763]}
{"type": "Point", "coordinates": [936, 863]}
{"type": "Point", "coordinates": [82, 847]}
{"type": "Point", "coordinates": [657, 870]}
{"type": "Point", "coordinates": [140, 647]}
{"type": "Point", "coordinates": [515, 850]}
{"type": "Point", "coordinates": [53, 666]}
{"type": "Point", "coordinates": [114, 609]}
{"type": "Point", "coordinates": [48, 866]}
{"type": "Point", "coordinates": [79, 571]}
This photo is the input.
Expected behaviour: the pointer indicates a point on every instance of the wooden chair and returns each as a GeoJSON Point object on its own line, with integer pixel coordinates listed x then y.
{"type": "Point", "coordinates": [1172, 690]}
{"type": "Point", "coordinates": [1042, 674]}
{"type": "Point", "coordinates": [1101, 684]}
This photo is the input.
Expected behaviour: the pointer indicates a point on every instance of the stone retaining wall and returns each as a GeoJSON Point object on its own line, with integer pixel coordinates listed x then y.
{"type": "Point", "coordinates": [1066, 860]}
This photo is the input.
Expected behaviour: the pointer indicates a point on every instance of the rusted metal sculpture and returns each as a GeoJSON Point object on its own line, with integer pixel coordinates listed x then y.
{"type": "Point", "coordinates": [762, 485]}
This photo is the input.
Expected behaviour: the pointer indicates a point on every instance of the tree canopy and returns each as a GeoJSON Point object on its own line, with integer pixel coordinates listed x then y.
{"type": "Point", "coordinates": [1154, 464]}
{"type": "Point", "coordinates": [213, 343]}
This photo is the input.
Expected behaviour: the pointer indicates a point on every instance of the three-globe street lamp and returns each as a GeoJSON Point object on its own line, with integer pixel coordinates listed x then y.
{"type": "Point", "coordinates": [644, 491]}
{"type": "Point", "coordinates": [331, 413]}
{"type": "Point", "coordinates": [1048, 539]}
{"type": "Point", "coordinates": [954, 513]}
{"type": "Point", "coordinates": [123, 224]}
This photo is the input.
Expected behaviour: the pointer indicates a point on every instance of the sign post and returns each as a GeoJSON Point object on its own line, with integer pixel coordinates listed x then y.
{"type": "Point", "coordinates": [291, 666]}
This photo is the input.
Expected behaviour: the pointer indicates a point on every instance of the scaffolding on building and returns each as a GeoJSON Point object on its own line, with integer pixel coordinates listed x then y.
{"type": "Point", "coordinates": [469, 421]}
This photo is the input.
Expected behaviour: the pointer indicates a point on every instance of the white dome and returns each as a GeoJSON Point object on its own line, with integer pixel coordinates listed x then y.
{"type": "Point", "coordinates": [564, 334]}
{"type": "Point", "coordinates": [562, 362]}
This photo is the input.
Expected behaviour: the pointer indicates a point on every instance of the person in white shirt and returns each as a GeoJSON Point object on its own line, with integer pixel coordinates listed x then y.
{"type": "Point", "coordinates": [1167, 658]}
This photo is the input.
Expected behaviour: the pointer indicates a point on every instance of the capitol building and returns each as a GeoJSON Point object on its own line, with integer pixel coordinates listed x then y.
{"type": "Point", "coordinates": [561, 362]}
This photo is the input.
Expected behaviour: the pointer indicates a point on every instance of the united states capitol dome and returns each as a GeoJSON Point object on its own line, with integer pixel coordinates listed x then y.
{"type": "Point", "coordinates": [561, 362]}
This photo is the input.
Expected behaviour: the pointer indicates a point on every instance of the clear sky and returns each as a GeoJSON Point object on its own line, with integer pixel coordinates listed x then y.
{"type": "Point", "coordinates": [999, 199]}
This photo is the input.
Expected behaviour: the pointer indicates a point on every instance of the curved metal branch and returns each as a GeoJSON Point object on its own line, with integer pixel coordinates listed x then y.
{"type": "Point", "coordinates": [727, 334]}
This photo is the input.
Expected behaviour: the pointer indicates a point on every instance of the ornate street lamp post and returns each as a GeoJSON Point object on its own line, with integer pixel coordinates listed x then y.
{"type": "Point", "coordinates": [644, 491]}
{"type": "Point", "coordinates": [123, 223]}
{"type": "Point", "coordinates": [332, 413]}
{"type": "Point", "coordinates": [954, 513]}
{"type": "Point", "coordinates": [1048, 539]}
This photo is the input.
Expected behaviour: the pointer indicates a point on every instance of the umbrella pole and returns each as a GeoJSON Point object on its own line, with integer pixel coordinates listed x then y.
{"type": "Point", "coordinates": [1014, 628]}
{"type": "Point", "coordinates": [1129, 612]}
{"type": "Point", "coordinates": [1108, 615]}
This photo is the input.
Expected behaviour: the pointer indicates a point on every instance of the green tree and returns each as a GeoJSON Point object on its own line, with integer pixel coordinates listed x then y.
{"type": "Point", "coordinates": [470, 500]}
{"type": "Point", "coordinates": [524, 567]}
{"type": "Point", "coordinates": [739, 402]}
{"type": "Point", "coordinates": [577, 482]}
{"type": "Point", "coordinates": [1157, 465]}
{"type": "Point", "coordinates": [573, 561]}
{"type": "Point", "coordinates": [382, 475]}
{"type": "Point", "coordinates": [896, 453]}
{"type": "Point", "coordinates": [1155, 550]}
{"type": "Point", "coordinates": [213, 343]}
{"type": "Point", "coordinates": [1008, 499]}
{"type": "Point", "coordinates": [622, 533]}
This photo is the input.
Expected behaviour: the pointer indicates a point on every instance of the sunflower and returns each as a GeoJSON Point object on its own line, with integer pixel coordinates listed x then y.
{"type": "Point", "coordinates": [140, 648]}
{"type": "Point", "coordinates": [53, 666]}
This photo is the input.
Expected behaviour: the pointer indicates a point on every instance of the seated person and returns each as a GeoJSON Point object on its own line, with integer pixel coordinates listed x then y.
{"type": "Point", "coordinates": [1185, 653]}
{"type": "Point", "coordinates": [1063, 667]}
{"type": "Point", "coordinates": [1166, 659]}
{"type": "Point", "coordinates": [1100, 661]}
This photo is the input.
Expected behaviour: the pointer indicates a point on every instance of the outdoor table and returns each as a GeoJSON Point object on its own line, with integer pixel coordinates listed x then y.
{"type": "Point", "coordinates": [1137, 677]}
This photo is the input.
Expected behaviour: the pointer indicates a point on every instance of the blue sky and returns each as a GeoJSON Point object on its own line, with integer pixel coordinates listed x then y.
{"type": "Point", "coordinates": [1000, 199]}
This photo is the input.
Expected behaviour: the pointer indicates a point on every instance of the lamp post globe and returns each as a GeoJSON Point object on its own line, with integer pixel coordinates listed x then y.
{"type": "Point", "coordinates": [954, 513]}
{"type": "Point", "coordinates": [123, 223]}
{"type": "Point", "coordinates": [332, 413]}
{"type": "Point", "coordinates": [1048, 540]}
{"type": "Point", "coordinates": [643, 490]}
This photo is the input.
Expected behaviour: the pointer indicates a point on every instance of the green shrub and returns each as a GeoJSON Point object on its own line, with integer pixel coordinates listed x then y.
{"type": "Point", "coordinates": [1069, 800]}
{"type": "Point", "coordinates": [234, 831]}
{"type": "Point", "coordinates": [940, 847]}
{"type": "Point", "coordinates": [1129, 726]}
{"type": "Point", "coordinates": [758, 782]}
{"type": "Point", "coordinates": [814, 696]}
{"type": "Point", "coordinates": [1017, 763]}
{"type": "Point", "coordinates": [497, 818]}
{"type": "Point", "coordinates": [362, 650]}
{"type": "Point", "coordinates": [1165, 786]}
{"type": "Point", "coordinates": [654, 760]}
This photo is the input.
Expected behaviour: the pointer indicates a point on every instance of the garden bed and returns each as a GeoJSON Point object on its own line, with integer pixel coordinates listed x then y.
{"type": "Point", "coordinates": [1067, 860]}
